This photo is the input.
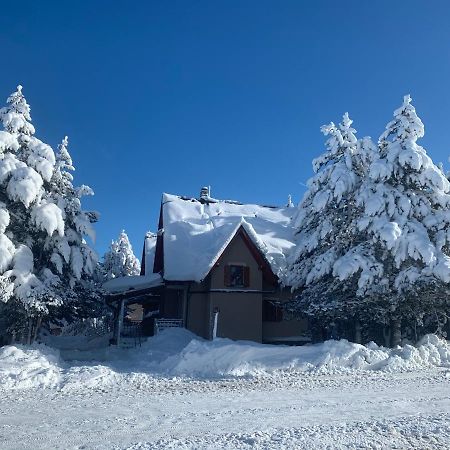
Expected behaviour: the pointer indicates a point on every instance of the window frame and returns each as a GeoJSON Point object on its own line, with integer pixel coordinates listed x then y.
{"type": "Point", "coordinates": [228, 276]}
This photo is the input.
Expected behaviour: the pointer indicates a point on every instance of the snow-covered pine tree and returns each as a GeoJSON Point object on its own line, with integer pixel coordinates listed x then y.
{"type": "Point", "coordinates": [406, 205]}
{"type": "Point", "coordinates": [385, 256]}
{"type": "Point", "coordinates": [78, 269]}
{"type": "Point", "coordinates": [290, 203]}
{"type": "Point", "coordinates": [120, 260]}
{"type": "Point", "coordinates": [43, 255]}
{"type": "Point", "coordinates": [326, 227]}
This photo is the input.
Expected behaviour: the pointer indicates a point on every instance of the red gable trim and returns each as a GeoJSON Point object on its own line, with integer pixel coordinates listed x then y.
{"type": "Point", "coordinates": [158, 266]}
{"type": "Point", "coordinates": [142, 272]}
{"type": "Point", "coordinates": [257, 255]}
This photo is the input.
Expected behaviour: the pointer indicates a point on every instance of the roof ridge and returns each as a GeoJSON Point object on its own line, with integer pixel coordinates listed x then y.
{"type": "Point", "coordinates": [227, 201]}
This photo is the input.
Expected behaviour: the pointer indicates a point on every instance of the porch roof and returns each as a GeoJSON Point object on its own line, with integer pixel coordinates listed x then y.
{"type": "Point", "coordinates": [136, 283]}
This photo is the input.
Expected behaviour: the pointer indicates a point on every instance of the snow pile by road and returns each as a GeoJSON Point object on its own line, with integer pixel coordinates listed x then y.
{"type": "Point", "coordinates": [179, 353]}
{"type": "Point", "coordinates": [430, 351]}
{"type": "Point", "coordinates": [25, 367]}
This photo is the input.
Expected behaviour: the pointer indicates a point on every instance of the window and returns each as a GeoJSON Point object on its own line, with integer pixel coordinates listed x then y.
{"type": "Point", "coordinates": [237, 276]}
{"type": "Point", "coordinates": [272, 311]}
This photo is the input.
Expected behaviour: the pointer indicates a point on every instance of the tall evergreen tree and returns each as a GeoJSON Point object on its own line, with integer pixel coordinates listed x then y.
{"type": "Point", "coordinates": [385, 257]}
{"type": "Point", "coordinates": [326, 225]}
{"type": "Point", "coordinates": [120, 260]}
{"type": "Point", "coordinates": [406, 200]}
{"type": "Point", "coordinates": [44, 259]}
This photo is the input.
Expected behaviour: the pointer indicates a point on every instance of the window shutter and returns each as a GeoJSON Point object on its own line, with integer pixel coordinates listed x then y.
{"type": "Point", "coordinates": [227, 278]}
{"type": "Point", "coordinates": [246, 276]}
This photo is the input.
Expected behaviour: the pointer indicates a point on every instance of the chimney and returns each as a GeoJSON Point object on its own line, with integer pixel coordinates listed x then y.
{"type": "Point", "coordinates": [205, 193]}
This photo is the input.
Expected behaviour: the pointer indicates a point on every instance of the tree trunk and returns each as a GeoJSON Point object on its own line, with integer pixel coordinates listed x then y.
{"type": "Point", "coordinates": [37, 327]}
{"type": "Point", "coordinates": [30, 325]}
{"type": "Point", "coordinates": [396, 335]}
{"type": "Point", "coordinates": [358, 337]}
{"type": "Point", "coordinates": [387, 336]}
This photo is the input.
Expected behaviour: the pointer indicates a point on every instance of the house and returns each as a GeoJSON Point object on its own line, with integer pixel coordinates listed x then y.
{"type": "Point", "coordinates": [214, 267]}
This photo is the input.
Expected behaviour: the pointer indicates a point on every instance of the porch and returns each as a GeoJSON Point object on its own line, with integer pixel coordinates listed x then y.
{"type": "Point", "coordinates": [143, 306]}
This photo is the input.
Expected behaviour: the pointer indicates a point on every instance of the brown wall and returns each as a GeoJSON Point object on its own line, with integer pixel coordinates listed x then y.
{"type": "Point", "coordinates": [276, 331]}
{"type": "Point", "coordinates": [197, 320]}
{"type": "Point", "coordinates": [285, 328]}
{"type": "Point", "coordinates": [240, 314]}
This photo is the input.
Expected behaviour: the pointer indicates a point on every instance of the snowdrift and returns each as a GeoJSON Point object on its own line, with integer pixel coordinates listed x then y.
{"type": "Point", "coordinates": [25, 367]}
{"type": "Point", "coordinates": [179, 353]}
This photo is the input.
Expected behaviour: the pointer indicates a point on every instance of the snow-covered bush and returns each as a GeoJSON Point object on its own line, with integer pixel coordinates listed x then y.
{"type": "Point", "coordinates": [120, 260]}
{"type": "Point", "coordinates": [372, 230]}
{"type": "Point", "coordinates": [45, 262]}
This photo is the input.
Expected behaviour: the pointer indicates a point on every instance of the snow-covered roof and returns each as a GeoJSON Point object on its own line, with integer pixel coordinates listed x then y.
{"type": "Point", "coordinates": [195, 234]}
{"type": "Point", "coordinates": [132, 283]}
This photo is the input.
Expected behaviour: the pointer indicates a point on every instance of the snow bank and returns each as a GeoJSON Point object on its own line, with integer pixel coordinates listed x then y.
{"type": "Point", "coordinates": [179, 353]}
{"type": "Point", "coordinates": [26, 367]}
{"type": "Point", "coordinates": [40, 366]}
{"type": "Point", "coordinates": [430, 351]}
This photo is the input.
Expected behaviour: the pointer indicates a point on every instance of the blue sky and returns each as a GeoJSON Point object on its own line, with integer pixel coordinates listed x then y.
{"type": "Point", "coordinates": [169, 96]}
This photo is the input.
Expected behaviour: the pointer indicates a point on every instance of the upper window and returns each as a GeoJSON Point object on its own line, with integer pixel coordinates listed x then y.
{"type": "Point", "coordinates": [237, 276]}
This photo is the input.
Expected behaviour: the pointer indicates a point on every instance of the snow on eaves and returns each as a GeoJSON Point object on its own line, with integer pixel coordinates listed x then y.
{"type": "Point", "coordinates": [134, 282]}
{"type": "Point", "coordinates": [196, 233]}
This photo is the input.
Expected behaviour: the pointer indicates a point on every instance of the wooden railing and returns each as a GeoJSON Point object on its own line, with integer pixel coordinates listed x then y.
{"type": "Point", "coordinates": [162, 324]}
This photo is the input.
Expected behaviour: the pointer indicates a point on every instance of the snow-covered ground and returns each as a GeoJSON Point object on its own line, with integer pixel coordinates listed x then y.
{"type": "Point", "coordinates": [177, 391]}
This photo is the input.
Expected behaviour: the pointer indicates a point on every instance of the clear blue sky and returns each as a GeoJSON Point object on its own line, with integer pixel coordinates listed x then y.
{"type": "Point", "coordinates": [169, 96]}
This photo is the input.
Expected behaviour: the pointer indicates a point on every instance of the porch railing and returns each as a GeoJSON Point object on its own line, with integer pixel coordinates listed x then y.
{"type": "Point", "coordinates": [162, 324]}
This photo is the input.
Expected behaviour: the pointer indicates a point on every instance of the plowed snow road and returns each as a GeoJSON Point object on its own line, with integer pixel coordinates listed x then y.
{"type": "Point", "coordinates": [356, 410]}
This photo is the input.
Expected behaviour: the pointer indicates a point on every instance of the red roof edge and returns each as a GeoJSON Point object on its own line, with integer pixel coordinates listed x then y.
{"type": "Point", "coordinates": [257, 255]}
{"type": "Point", "coordinates": [158, 266]}
{"type": "Point", "coordinates": [142, 272]}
